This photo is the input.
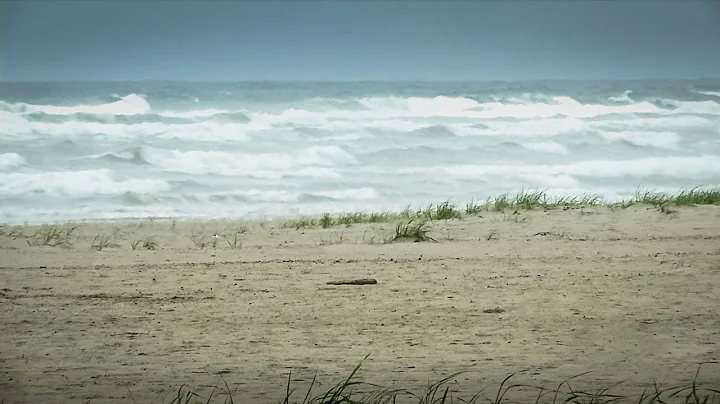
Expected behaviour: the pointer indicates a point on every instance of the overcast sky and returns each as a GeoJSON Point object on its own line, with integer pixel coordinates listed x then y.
{"type": "Point", "coordinates": [358, 40]}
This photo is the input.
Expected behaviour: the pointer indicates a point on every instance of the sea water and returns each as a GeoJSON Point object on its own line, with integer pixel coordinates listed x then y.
{"type": "Point", "coordinates": [132, 150]}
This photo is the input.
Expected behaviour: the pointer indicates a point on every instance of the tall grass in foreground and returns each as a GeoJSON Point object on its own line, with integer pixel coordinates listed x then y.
{"type": "Point", "coordinates": [525, 200]}
{"type": "Point", "coordinates": [351, 390]}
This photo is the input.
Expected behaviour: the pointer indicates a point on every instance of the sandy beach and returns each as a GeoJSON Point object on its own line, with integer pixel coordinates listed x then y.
{"type": "Point", "coordinates": [629, 295]}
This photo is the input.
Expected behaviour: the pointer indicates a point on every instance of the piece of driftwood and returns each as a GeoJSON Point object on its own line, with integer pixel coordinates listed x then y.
{"type": "Point", "coordinates": [367, 281]}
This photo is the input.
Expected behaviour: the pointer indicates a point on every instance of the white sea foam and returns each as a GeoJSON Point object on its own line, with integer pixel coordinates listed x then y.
{"type": "Point", "coordinates": [76, 184]}
{"type": "Point", "coordinates": [259, 195]}
{"type": "Point", "coordinates": [623, 98]}
{"type": "Point", "coordinates": [358, 194]}
{"type": "Point", "coordinates": [694, 107]}
{"type": "Point", "coordinates": [671, 167]}
{"type": "Point", "coordinates": [10, 160]}
{"type": "Point", "coordinates": [132, 104]}
{"type": "Point", "coordinates": [204, 131]}
{"type": "Point", "coordinates": [203, 113]}
{"type": "Point", "coordinates": [665, 140]}
{"type": "Point", "coordinates": [525, 128]}
{"type": "Point", "coordinates": [546, 147]}
{"type": "Point", "coordinates": [710, 93]}
{"type": "Point", "coordinates": [316, 161]}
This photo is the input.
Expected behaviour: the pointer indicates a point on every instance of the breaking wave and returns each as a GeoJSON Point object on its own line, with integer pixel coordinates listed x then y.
{"type": "Point", "coordinates": [85, 183]}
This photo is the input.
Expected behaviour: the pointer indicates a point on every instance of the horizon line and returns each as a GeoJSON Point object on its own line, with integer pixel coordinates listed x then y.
{"type": "Point", "coordinates": [325, 81]}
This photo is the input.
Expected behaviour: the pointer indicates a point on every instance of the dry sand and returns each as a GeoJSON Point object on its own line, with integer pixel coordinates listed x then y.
{"type": "Point", "coordinates": [629, 295]}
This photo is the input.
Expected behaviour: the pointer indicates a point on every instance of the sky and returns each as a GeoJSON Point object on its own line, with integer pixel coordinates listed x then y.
{"type": "Point", "coordinates": [214, 40]}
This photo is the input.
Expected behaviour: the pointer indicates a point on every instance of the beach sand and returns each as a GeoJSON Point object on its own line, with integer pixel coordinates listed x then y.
{"type": "Point", "coordinates": [630, 295]}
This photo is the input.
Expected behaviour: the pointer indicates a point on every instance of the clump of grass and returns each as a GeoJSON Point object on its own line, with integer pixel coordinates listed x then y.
{"type": "Point", "coordinates": [348, 219]}
{"type": "Point", "coordinates": [379, 217]}
{"type": "Point", "coordinates": [442, 211]}
{"type": "Point", "coordinates": [651, 198]}
{"type": "Point", "coordinates": [580, 200]}
{"type": "Point", "coordinates": [697, 196]}
{"type": "Point", "coordinates": [492, 234]}
{"type": "Point", "coordinates": [408, 213]}
{"type": "Point", "coordinates": [234, 241]}
{"type": "Point", "coordinates": [326, 221]}
{"type": "Point", "coordinates": [474, 208]}
{"type": "Point", "coordinates": [147, 243]}
{"type": "Point", "coordinates": [53, 236]}
{"type": "Point", "coordinates": [301, 223]}
{"type": "Point", "coordinates": [413, 230]}
{"type": "Point", "coordinates": [199, 240]}
{"type": "Point", "coordinates": [530, 199]}
{"type": "Point", "coordinates": [101, 242]}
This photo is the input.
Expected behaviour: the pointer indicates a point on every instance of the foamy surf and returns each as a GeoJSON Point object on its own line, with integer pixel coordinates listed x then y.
{"type": "Point", "coordinates": [93, 152]}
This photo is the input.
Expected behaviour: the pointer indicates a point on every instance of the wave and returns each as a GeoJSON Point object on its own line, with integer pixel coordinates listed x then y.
{"type": "Point", "coordinates": [277, 196]}
{"type": "Point", "coordinates": [546, 147]}
{"type": "Point", "coordinates": [106, 119]}
{"type": "Point", "coordinates": [468, 108]}
{"type": "Point", "coordinates": [133, 155]}
{"type": "Point", "coordinates": [693, 107]}
{"type": "Point", "coordinates": [531, 128]}
{"type": "Point", "coordinates": [76, 184]}
{"type": "Point", "coordinates": [205, 131]}
{"type": "Point", "coordinates": [663, 140]}
{"type": "Point", "coordinates": [11, 160]}
{"type": "Point", "coordinates": [565, 175]}
{"type": "Point", "coordinates": [433, 131]}
{"type": "Point", "coordinates": [216, 115]}
{"type": "Point", "coordinates": [623, 98]}
{"type": "Point", "coordinates": [316, 161]}
{"type": "Point", "coordinates": [166, 118]}
{"type": "Point", "coordinates": [131, 104]}
{"type": "Point", "coordinates": [710, 93]}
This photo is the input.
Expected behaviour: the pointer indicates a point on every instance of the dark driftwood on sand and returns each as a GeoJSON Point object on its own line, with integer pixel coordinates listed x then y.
{"type": "Point", "coordinates": [368, 281]}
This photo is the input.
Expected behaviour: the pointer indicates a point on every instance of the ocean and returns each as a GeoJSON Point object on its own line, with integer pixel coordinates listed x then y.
{"type": "Point", "coordinates": [134, 150]}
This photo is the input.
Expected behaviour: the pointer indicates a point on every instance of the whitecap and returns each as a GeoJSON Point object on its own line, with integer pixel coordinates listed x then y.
{"type": "Point", "coordinates": [11, 160]}
{"type": "Point", "coordinates": [76, 184]}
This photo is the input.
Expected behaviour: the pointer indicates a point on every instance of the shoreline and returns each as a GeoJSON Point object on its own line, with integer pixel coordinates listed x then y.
{"type": "Point", "coordinates": [525, 200]}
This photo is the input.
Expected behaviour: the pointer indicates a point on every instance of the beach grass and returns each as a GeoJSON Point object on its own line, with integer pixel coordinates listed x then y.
{"type": "Point", "coordinates": [147, 243]}
{"type": "Point", "coordinates": [411, 230]}
{"type": "Point", "coordinates": [53, 236]}
{"type": "Point", "coordinates": [524, 200]}
{"type": "Point", "coordinates": [352, 390]}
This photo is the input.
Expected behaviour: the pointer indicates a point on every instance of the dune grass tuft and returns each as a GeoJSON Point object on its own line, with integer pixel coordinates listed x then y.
{"type": "Point", "coordinates": [101, 242]}
{"type": "Point", "coordinates": [147, 243]}
{"type": "Point", "coordinates": [411, 230]}
{"type": "Point", "coordinates": [53, 236]}
{"type": "Point", "coordinates": [442, 211]}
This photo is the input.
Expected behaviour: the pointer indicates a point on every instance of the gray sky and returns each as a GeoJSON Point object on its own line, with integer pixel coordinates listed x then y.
{"type": "Point", "coordinates": [358, 40]}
